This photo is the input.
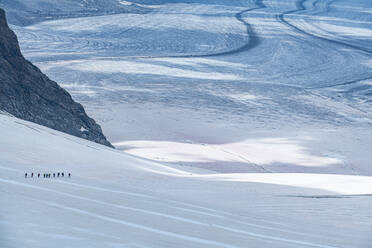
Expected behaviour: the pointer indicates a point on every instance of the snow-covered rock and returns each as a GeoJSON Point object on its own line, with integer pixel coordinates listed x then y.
{"type": "Point", "coordinates": [27, 93]}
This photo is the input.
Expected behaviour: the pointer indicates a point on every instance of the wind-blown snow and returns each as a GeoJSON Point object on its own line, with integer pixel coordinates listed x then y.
{"type": "Point", "coordinates": [117, 200]}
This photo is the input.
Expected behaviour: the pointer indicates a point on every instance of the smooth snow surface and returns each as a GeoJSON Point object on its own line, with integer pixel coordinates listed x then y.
{"type": "Point", "coordinates": [117, 200]}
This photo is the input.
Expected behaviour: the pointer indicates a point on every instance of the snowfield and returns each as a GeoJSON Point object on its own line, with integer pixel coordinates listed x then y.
{"type": "Point", "coordinates": [117, 200]}
{"type": "Point", "coordinates": [243, 124]}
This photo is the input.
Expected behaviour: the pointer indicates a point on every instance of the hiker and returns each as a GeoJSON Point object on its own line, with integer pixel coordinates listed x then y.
{"type": "Point", "coordinates": [54, 174]}
{"type": "Point", "coordinates": [38, 174]}
{"type": "Point", "coordinates": [25, 175]}
{"type": "Point", "coordinates": [44, 175]}
{"type": "Point", "coordinates": [69, 174]}
{"type": "Point", "coordinates": [32, 174]}
{"type": "Point", "coordinates": [58, 174]}
{"type": "Point", "coordinates": [63, 174]}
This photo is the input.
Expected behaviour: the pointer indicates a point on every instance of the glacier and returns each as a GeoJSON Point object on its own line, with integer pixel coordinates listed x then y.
{"type": "Point", "coordinates": [237, 124]}
{"type": "Point", "coordinates": [192, 73]}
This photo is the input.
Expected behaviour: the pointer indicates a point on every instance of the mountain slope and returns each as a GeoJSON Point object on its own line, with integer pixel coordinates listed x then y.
{"type": "Point", "coordinates": [27, 93]}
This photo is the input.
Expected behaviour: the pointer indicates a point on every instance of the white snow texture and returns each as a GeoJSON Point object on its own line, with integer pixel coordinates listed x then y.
{"type": "Point", "coordinates": [237, 124]}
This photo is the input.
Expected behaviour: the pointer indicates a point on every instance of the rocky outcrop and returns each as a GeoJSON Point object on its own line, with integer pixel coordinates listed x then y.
{"type": "Point", "coordinates": [27, 93]}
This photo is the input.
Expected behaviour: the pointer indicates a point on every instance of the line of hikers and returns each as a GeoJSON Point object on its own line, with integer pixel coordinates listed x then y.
{"type": "Point", "coordinates": [48, 175]}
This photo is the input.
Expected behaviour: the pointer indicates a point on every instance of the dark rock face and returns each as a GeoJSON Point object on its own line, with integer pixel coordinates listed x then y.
{"type": "Point", "coordinates": [27, 93]}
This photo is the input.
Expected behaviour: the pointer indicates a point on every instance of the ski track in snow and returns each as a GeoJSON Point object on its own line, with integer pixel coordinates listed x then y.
{"type": "Point", "coordinates": [190, 207]}
{"type": "Point", "coordinates": [202, 210]}
{"type": "Point", "coordinates": [166, 233]}
{"type": "Point", "coordinates": [124, 198]}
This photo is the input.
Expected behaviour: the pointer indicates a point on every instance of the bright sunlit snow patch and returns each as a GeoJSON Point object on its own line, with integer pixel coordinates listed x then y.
{"type": "Point", "coordinates": [133, 67]}
{"type": "Point", "coordinates": [347, 31]}
{"type": "Point", "coordinates": [341, 184]}
{"type": "Point", "coordinates": [261, 152]}
{"type": "Point", "coordinates": [161, 21]}
{"type": "Point", "coordinates": [200, 62]}
{"type": "Point", "coordinates": [241, 97]}
{"type": "Point", "coordinates": [125, 3]}
{"type": "Point", "coordinates": [83, 129]}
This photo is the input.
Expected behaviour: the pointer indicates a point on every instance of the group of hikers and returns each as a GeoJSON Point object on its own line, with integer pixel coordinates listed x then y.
{"type": "Point", "coordinates": [48, 175]}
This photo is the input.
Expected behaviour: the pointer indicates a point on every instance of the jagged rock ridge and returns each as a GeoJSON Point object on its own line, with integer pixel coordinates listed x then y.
{"type": "Point", "coordinates": [27, 93]}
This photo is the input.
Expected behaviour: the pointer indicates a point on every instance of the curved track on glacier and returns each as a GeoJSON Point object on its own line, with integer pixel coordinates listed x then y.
{"type": "Point", "coordinates": [253, 41]}
{"type": "Point", "coordinates": [179, 211]}
{"type": "Point", "coordinates": [301, 7]}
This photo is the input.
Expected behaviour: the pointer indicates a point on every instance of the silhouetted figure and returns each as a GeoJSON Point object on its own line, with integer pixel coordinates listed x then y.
{"type": "Point", "coordinates": [54, 174]}
{"type": "Point", "coordinates": [69, 174]}
{"type": "Point", "coordinates": [25, 175]}
{"type": "Point", "coordinates": [38, 174]}
{"type": "Point", "coordinates": [32, 174]}
{"type": "Point", "coordinates": [63, 174]}
{"type": "Point", "coordinates": [58, 174]}
{"type": "Point", "coordinates": [44, 175]}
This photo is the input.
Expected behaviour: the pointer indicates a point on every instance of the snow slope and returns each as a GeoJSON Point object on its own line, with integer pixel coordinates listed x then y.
{"type": "Point", "coordinates": [116, 200]}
